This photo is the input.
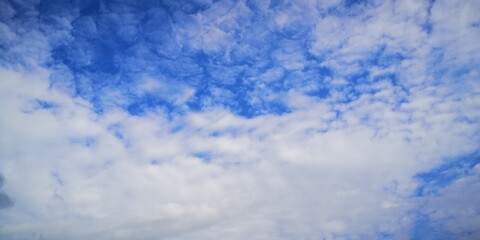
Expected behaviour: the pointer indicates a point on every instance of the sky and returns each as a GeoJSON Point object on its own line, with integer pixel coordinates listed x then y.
{"type": "Point", "coordinates": [248, 119]}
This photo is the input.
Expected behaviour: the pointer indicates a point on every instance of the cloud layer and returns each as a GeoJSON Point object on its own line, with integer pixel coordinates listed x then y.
{"type": "Point", "coordinates": [239, 120]}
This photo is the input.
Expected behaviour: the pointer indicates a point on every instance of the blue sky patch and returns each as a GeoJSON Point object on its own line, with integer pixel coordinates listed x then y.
{"type": "Point", "coordinates": [440, 177]}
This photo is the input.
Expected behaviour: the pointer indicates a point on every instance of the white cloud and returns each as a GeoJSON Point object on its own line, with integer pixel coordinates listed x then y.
{"type": "Point", "coordinates": [309, 170]}
{"type": "Point", "coordinates": [213, 30]}
{"type": "Point", "coordinates": [329, 34]}
{"type": "Point", "coordinates": [329, 169]}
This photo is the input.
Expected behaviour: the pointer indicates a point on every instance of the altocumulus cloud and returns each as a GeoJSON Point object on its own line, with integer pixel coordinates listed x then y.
{"type": "Point", "coordinates": [239, 119]}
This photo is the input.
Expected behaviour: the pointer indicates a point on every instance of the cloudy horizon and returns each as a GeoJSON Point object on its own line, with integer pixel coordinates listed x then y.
{"type": "Point", "coordinates": [248, 119]}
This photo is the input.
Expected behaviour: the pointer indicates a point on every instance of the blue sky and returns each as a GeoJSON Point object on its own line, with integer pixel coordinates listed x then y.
{"type": "Point", "coordinates": [245, 119]}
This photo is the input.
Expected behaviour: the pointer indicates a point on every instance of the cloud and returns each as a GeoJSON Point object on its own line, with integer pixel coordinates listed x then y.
{"type": "Point", "coordinates": [239, 120]}
{"type": "Point", "coordinates": [264, 173]}
{"type": "Point", "coordinates": [449, 188]}
{"type": "Point", "coordinates": [5, 200]}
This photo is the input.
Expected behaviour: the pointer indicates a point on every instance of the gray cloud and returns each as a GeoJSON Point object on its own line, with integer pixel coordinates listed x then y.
{"type": "Point", "coordinates": [5, 200]}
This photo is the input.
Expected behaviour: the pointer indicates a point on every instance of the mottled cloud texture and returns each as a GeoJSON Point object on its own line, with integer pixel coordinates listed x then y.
{"type": "Point", "coordinates": [239, 119]}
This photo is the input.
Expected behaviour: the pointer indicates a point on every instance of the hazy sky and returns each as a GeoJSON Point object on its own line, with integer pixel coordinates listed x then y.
{"type": "Point", "coordinates": [249, 119]}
